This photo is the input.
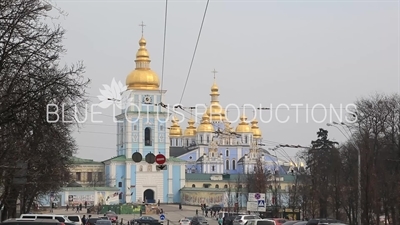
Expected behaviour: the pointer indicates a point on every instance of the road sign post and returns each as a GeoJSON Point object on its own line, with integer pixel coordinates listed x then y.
{"type": "Point", "coordinates": [160, 159]}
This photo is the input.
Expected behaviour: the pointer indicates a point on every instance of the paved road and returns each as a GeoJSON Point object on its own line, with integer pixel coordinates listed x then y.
{"type": "Point", "coordinates": [171, 212]}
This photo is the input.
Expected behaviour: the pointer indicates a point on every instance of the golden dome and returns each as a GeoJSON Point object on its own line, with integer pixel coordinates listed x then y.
{"type": "Point", "coordinates": [175, 130]}
{"type": "Point", "coordinates": [205, 125]}
{"type": "Point", "coordinates": [215, 110]}
{"type": "Point", "coordinates": [243, 126]}
{"type": "Point", "coordinates": [191, 129]}
{"type": "Point", "coordinates": [142, 78]}
{"type": "Point", "coordinates": [256, 130]}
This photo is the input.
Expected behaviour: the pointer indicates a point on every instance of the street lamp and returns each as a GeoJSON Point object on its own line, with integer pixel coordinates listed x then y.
{"type": "Point", "coordinates": [335, 124]}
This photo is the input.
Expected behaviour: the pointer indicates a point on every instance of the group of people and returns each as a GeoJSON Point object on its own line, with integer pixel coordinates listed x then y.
{"type": "Point", "coordinates": [77, 207]}
{"type": "Point", "coordinates": [205, 210]}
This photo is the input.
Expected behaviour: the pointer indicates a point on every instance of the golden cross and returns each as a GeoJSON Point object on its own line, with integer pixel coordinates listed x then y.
{"type": "Point", "coordinates": [214, 72]}
{"type": "Point", "coordinates": [142, 25]}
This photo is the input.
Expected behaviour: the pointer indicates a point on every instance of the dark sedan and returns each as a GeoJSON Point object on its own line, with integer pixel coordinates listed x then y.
{"type": "Point", "coordinates": [148, 220]}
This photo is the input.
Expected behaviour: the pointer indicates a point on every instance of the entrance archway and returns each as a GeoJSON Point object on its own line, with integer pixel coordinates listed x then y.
{"type": "Point", "coordinates": [148, 196]}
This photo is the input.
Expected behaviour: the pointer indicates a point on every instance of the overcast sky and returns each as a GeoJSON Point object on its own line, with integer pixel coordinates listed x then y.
{"type": "Point", "coordinates": [265, 52]}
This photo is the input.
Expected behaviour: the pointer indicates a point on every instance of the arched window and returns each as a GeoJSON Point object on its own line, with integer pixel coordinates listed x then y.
{"type": "Point", "coordinates": [212, 154]}
{"type": "Point", "coordinates": [187, 142]}
{"type": "Point", "coordinates": [245, 139]}
{"type": "Point", "coordinates": [227, 152]}
{"type": "Point", "coordinates": [193, 185]}
{"type": "Point", "coordinates": [213, 168]}
{"type": "Point", "coordinates": [120, 195]}
{"type": "Point", "coordinates": [233, 165]}
{"type": "Point", "coordinates": [161, 128]}
{"type": "Point", "coordinates": [225, 186]}
{"type": "Point", "coordinates": [134, 127]}
{"type": "Point", "coordinates": [208, 139]}
{"type": "Point", "coordinates": [216, 186]}
{"type": "Point", "coordinates": [149, 168]}
{"type": "Point", "coordinates": [147, 136]}
{"type": "Point", "coordinates": [201, 139]}
{"type": "Point", "coordinates": [227, 165]}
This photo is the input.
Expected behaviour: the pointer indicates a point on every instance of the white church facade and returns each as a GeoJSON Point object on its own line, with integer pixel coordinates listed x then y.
{"type": "Point", "coordinates": [142, 128]}
{"type": "Point", "coordinates": [213, 147]}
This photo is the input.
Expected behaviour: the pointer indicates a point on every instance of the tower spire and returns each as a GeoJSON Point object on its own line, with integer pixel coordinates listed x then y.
{"type": "Point", "coordinates": [214, 72]}
{"type": "Point", "coordinates": [142, 25]}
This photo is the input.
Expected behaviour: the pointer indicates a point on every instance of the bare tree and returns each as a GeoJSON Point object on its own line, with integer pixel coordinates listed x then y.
{"type": "Point", "coordinates": [35, 83]}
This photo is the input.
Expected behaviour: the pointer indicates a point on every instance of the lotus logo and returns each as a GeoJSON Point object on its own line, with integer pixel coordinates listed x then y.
{"type": "Point", "coordinates": [114, 94]}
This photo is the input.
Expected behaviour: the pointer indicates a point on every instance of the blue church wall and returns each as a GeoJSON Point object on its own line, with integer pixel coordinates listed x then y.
{"type": "Point", "coordinates": [176, 182]}
{"type": "Point", "coordinates": [133, 182]}
{"type": "Point", "coordinates": [120, 175]}
{"type": "Point", "coordinates": [187, 156]}
{"type": "Point", "coordinates": [165, 184]}
{"type": "Point", "coordinates": [199, 168]}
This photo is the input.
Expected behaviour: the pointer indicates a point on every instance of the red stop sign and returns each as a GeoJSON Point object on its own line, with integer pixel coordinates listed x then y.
{"type": "Point", "coordinates": [160, 159]}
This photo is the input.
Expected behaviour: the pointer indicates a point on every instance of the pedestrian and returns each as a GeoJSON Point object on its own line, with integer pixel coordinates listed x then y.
{"type": "Point", "coordinates": [220, 221]}
{"type": "Point", "coordinates": [67, 207]}
{"type": "Point", "coordinates": [206, 212]}
{"type": "Point", "coordinates": [80, 207]}
{"type": "Point", "coordinates": [85, 204]}
{"type": "Point", "coordinates": [77, 209]}
{"type": "Point", "coordinates": [158, 203]}
{"type": "Point", "coordinates": [84, 219]}
{"type": "Point", "coordinates": [197, 212]}
{"type": "Point", "coordinates": [180, 206]}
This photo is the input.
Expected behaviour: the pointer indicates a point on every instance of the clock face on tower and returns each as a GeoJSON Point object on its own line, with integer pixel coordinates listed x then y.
{"type": "Point", "coordinates": [147, 99]}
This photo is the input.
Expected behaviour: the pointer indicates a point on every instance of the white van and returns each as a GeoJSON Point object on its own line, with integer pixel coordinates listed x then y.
{"type": "Point", "coordinates": [60, 218]}
{"type": "Point", "coordinates": [75, 219]}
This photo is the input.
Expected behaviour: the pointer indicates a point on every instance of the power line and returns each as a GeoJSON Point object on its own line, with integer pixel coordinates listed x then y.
{"type": "Point", "coordinates": [163, 54]}
{"type": "Point", "coordinates": [194, 53]}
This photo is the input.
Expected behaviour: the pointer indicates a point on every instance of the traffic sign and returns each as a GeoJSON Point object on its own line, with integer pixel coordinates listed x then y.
{"type": "Point", "coordinates": [150, 158]}
{"type": "Point", "coordinates": [160, 159]}
{"type": "Point", "coordinates": [261, 203]}
{"type": "Point", "coordinates": [161, 167]}
{"type": "Point", "coordinates": [137, 157]}
{"type": "Point", "coordinates": [162, 217]}
{"type": "Point", "coordinates": [257, 196]}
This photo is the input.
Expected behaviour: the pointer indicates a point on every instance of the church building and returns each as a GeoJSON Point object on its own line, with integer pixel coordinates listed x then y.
{"type": "Point", "coordinates": [142, 128]}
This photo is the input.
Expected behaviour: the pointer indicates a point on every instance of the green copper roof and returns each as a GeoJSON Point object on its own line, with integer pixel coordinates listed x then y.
{"type": "Point", "coordinates": [120, 158]}
{"type": "Point", "coordinates": [76, 160]}
{"type": "Point", "coordinates": [173, 159]}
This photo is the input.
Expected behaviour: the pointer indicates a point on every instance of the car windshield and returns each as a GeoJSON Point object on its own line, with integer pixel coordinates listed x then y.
{"type": "Point", "coordinates": [238, 218]}
{"type": "Point", "coordinates": [185, 221]}
{"type": "Point", "coordinates": [73, 218]}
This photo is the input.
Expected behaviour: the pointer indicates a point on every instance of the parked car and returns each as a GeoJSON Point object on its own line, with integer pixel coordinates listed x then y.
{"type": "Point", "coordinates": [60, 218]}
{"type": "Point", "coordinates": [75, 218]}
{"type": "Point", "coordinates": [148, 220]}
{"type": "Point", "coordinates": [103, 222]}
{"type": "Point", "coordinates": [30, 221]}
{"type": "Point", "coordinates": [278, 221]}
{"type": "Point", "coordinates": [92, 221]}
{"type": "Point", "coordinates": [228, 219]}
{"type": "Point", "coordinates": [184, 221]}
{"type": "Point", "coordinates": [301, 223]}
{"type": "Point", "coordinates": [260, 222]}
{"type": "Point", "coordinates": [322, 221]}
{"type": "Point", "coordinates": [199, 220]}
{"type": "Point", "coordinates": [291, 222]}
{"type": "Point", "coordinates": [242, 219]}
{"type": "Point", "coordinates": [112, 216]}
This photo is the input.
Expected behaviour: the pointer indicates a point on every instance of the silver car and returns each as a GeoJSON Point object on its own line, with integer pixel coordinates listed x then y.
{"type": "Point", "coordinates": [242, 219]}
{"type": "Point", "coordinates": [184, 221]}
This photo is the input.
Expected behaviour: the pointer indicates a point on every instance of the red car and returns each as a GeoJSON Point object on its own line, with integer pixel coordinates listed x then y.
{"type": "Point", "coordinates": [112, 216]}
{"type": "Point", "coordinates": [278, 221]}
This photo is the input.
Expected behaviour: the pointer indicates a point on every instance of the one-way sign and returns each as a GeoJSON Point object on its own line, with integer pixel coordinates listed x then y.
{"type": "Point", "coordinates": [161, 167]}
